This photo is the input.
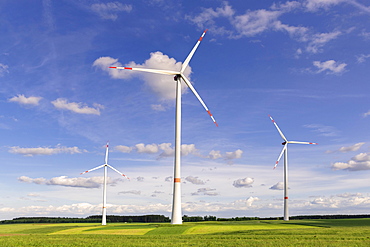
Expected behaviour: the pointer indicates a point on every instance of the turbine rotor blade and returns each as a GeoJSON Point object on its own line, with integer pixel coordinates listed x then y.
{"type": "Point", "coordinates": [106, 153]}
{"type": "Point", "coordinates": [114, 169]}
{"type": "Point", "coordinates": [92, 169]}
{"type": "Point", "coordinates": [277, 127]}
{"type": "Point", "coordinates": [281, 154]}
{"type": "Point", "coordinates": [295, 142]}
{"type": "Point", "coordinates": [187, 60]}
{"type": "Point", "coordinates": [188, 83]}
{"type": "Point", "coordinates": [156, 71]}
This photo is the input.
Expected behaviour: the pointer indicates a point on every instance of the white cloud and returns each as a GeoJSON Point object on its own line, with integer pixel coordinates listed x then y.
{"type": "Point", "coordinates": [207, 17]}
{"type": "Point", "coordinates": [243, 182]}
{"type": "Point", "coordinates": [165, 150]}
{"type": "Point", "coordinates": [109, 10]}
{"type": "Point", "coordinates": [354, 147]}
{"type": "Point", "coordinates": [123, 149]}
{"type": "Point", "coordinates": [206, 192]}
{"type": "Point", "coordinates": [21, 99]}
{"type": "Point", "coordinates": [148, 149]}
{"type": "Point", "coordinates": [79, 108]}
{"type": "Point", "coordinates": [194, 180]}
{"type": "Point", "coordinates": [45, 150]}
{"type": "Point", "coordinates": [230, 156]}
{"type": "Point", "coordinates": [92, 182]}
{"type": "Point", "coordinates": [277, 186]}
{"type": "Point", "coordinates": [331, 66]}
{"type": "Point", "coordinates": [163, 86]}
{"type": "Point", "coordinates": [215, 155]}
{"type": "Point", "coordinates": [317, 41]}
{"type": "Point", "coordinates": [255, 22]}
{"type": "Point", "coordinates": [359, 162]}
{"type": "Point", "coordinates": [3, 69]}
{"type": "Point", "coordinates": [315, 5]}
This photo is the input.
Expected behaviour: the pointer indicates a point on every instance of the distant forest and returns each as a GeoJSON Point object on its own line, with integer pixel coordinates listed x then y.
{"type": "Point", "coordinates": [163, 219]}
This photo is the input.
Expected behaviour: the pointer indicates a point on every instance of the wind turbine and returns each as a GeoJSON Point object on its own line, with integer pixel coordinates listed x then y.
{"type": "Point", "coordinates": [104, 213]}
{"type": "Point", "coordinates": [178, 77]}
{"type": "Point", "coordinates": [285, 151]}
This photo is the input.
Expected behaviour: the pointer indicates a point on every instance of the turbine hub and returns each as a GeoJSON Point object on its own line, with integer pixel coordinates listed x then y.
{"type": "Point", "coordinates": [283, 143]}
{"type": "Point", "coordinates": [177, 77]}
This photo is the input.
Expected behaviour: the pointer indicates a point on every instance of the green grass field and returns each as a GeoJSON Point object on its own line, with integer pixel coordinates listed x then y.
{"type": "Point", "coordinates": [340, 232]}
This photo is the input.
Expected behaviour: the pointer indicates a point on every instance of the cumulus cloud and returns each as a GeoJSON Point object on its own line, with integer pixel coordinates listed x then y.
{"type": "Point", "coordinates": [243, 182]}
{"type": "Point", "coordinates": [165, 150]}
{"type": "Point", "coordinates": [278, 186]}
{"type": "Point", "coordinates": [123, 149]}
{"type": "Point", "coordinates": [359, 162]}
{"type": "Point", "coordinates": [23, 100]}
{"type": "Point", "coordinates": [194, 180]}
{"type": "Point", "coordinates": [45, 150]}
{"type": "Point", "coordinates": [330, 66]}
{"type": "Point", "coordinates": [163, 86]}
{"type": "Point", "coordinates": [79, 108]}
{"type": "Point", "coordinates": [354, 147]}
{"type": "Point", "coordinates": [92, 182]}
{"type": "Point", "coordinates": [110, 10]}
{"type": "Point", "coordinates": [148, 149]}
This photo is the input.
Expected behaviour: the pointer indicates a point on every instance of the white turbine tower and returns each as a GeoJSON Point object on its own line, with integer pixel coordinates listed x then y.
{"type": "Point", "coordinates": [104, 212]}
{"type": "Point", "coordinates": [285, 152]}
{"type": "Point", "coordinates": [178, 76]}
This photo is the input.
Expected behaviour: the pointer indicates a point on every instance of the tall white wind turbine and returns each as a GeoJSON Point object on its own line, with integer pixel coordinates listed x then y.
{"type": "Point", "coordinates": [178, 77]}
{"type": "Point", "coordinates": [285, 152]}
{"type": "Point", "coordinates": [104, 212]}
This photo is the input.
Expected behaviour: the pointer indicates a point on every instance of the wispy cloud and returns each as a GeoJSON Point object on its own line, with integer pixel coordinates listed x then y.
{"type": "Point", "coordinates": [352, 148]}
{"type": "Point", "coordinates": [45, 150]}
{"type": "Point", "coordinates": [3, 69]}
{"type": "Point", "coordinates": [323, 130]}
{"type": "Point", "coordinates": [92, 182]}
{"type": "Point", "coordinates": [330, 66]}
{"type": "Point", "coordinates": [79, 108]}
{"type": "Point", "coordinates": [362, 58]}
{"type": "Point", "coordinates": [256, 22]}
{"type": "Point", "coordinates": [23, 100]}
{"type": "Point", "coordinates": [109, 11]}
{"type": "Point", "coordinates": [205, 191]}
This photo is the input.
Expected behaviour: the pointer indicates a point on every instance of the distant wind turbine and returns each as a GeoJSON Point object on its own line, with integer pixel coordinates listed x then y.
{"type": "Point", "coordinates": [178, 76]}
{"type": "Point", "coordinates": [104, 213]}
{"type": "Point", "coordinates": [285, 151]}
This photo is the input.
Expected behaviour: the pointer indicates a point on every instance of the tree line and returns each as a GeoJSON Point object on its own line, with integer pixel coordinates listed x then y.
{"type": "Point", "coordinates": [163, 219]}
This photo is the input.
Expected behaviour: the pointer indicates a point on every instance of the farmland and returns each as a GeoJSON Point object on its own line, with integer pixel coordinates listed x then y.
{"type": "Point", "coordinates": [323, 232]}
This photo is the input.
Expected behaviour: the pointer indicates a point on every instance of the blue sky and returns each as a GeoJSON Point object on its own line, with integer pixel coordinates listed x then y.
{"type": "Point", "coordinates": [304, 62]}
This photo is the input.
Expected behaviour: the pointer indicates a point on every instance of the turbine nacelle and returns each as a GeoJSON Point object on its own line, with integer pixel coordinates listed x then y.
{"type": "Point", "coordinates": [177, 77]}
